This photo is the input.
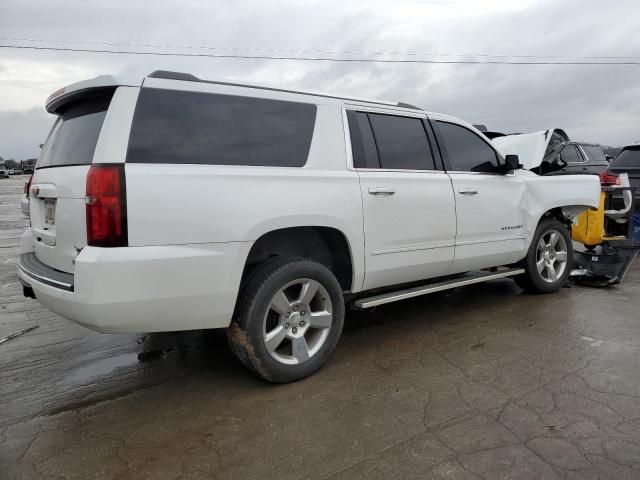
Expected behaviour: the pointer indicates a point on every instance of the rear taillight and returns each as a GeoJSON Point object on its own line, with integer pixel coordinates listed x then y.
{"type": "Point", "coordinates": [106, 206]}
{"type": "Point", "coordinates": [27, 185]}
{"type": "Point", "coordinates": [607, 178]}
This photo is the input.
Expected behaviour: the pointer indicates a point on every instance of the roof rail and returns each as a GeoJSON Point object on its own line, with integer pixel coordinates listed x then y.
{"type": "Point", "coordinates": [187, 77]}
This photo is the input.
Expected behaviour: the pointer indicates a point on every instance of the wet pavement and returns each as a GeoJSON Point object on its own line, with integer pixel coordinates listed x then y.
{"type": "Point", "coordinates": [482, 382]}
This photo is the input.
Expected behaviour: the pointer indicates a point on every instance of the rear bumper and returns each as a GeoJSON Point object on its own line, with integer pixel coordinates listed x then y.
{"type": "Point", "coordinates": [36, 271]}
{"type": "Point", "coordinates": [143, 289]}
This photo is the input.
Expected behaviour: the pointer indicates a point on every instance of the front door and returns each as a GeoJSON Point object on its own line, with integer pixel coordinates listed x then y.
{"type": "Point", "coordinates": [490, 206]}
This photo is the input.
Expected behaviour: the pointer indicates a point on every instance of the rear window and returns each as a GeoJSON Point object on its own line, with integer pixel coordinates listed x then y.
{"type": "Point", "coordinates": [171, 126]}
{"type": "Point", "coordinates": [74, 136]}
{"type": "Point", "coordinates": [629, 158]}
{"type": "Point", "coordinates": [595, 154]}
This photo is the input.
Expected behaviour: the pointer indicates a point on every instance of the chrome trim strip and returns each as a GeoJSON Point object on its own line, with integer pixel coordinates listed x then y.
{"type": "Point", "coordinates": [413, 248]}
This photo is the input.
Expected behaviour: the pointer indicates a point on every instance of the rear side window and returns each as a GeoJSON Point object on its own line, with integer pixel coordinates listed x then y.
{"type": "Point", "coordinates": [629, 158]}
{"type": "Point", "coordinates": [363, 146]}
{"type": "Point", "coordinates": [402, 142]}
{"type": "Point", "coordinates": [467, 152]}
{"type": "Point", "coordinates": [171, 126]}
{"type": "Point", "coordinates": [74, 136]}
{"type": "Point", "coordinates": [570, 155]}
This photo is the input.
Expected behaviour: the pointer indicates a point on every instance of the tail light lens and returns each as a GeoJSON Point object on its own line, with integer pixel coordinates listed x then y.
{"type": "Point", "coordinates": [106, 206]}
{"type": "Point", "coordinates": [27, 185]}
{"type": "Point", "coordinates": [607, 178]}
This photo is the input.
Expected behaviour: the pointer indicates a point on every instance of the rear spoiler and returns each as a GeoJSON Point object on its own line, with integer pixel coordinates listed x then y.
{"type": "Point", "coordinates": [95, 87]}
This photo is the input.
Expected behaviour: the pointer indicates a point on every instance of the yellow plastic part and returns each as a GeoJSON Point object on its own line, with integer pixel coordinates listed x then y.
{"type": "Point", "coordinates": [590, 227]}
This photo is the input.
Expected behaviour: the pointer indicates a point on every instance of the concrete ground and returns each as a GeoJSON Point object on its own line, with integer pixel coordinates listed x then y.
{"type": "Point", "coordinates": [482, 382]}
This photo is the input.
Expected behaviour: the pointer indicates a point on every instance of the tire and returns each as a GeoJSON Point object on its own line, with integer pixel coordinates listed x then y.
{"type": "Point", "coordinates": [288, 319]}
{"type": "Point", "coordinates": [549, 260]}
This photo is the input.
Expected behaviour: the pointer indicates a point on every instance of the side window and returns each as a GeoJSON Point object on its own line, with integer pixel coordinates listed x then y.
{"type": "Point", "coordinates": [363, 146]}
{"type": "Point", "coordinates": [570, 155]}
{"type": "Point", "coordinates": [467, 152]}
{"type": "Point", "coordinates": [402, 142]}
{"type": "Point", "coordinates": [172, 126]}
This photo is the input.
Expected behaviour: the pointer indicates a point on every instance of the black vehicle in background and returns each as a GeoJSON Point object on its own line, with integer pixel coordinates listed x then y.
{"type": "Point", "coordinates": [582, 158]}
{"type": "Point", "coordinates": [628, 161]}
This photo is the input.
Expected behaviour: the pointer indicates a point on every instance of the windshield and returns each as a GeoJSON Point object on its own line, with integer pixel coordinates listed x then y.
{"type": "Point", "coordinates": [74, 136]}
{"type": "Point", "coordinates": [595, 154]}
{"type": "Point", "coordinates": [629, 158]}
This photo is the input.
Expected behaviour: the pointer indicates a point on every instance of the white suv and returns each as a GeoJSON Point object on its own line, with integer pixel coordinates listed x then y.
{"type": "Point", "coordinates": [177, 203]}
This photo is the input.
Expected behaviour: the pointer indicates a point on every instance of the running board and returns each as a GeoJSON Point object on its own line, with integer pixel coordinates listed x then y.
{"type": "Point", "coordinates": [468, 279]}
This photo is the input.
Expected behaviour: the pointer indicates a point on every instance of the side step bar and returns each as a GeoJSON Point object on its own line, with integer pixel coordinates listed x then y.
{"type": "Point", "coordinates": [467, 279]}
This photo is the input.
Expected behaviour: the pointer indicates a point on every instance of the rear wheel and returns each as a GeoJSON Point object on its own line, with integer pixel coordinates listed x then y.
{"type": "Point", "coordinates": [549, 259]}
{"type": "Point", "coordinates": [288, 320]}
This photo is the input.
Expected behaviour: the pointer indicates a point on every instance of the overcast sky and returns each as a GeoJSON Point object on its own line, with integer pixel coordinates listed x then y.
{"type": "Point", "coordinates": [593, 103]}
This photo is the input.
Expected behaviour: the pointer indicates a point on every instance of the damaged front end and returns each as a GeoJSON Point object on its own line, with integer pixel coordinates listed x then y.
{"type": "Point", "coordinates": [607, 238]}
{"type": "Point", "coordinates": [539, 152]}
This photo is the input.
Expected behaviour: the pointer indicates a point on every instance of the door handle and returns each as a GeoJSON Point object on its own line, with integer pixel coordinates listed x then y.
{"type": "Point", "coordinates": [381, 191]}
{"type": "Point", "coordinates": [468, 191]}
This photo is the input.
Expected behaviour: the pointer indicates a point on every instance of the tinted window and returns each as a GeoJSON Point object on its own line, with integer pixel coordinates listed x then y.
{"type": "Point", "coordinates": [467, 152]}
{"type": "Point", "coordinates": [402, 142]}
{"type": "Point", "coordinates": [363, 146]}
{"type": "Point", "coordinates": [627, 159]}
{"type": "Point", "coordinates": [570, 155]}
{"type": "Point", "coordinates": [74, 136]}
{"type": "Point", "coordinates": [595, 154]}
{"type": "Point", "coordinates": [190, 127]}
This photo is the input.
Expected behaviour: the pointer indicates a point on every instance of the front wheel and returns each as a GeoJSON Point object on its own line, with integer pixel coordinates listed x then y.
{"type": "Point", "coordinates": [549, 259]}
{"type": "Point", "coordinates": [288, 320]}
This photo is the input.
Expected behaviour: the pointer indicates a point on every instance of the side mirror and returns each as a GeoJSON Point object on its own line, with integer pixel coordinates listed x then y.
{"type": "Point", "coordinates": [511, 163]}
{"type": "Point", "coordinates": [608, 157]}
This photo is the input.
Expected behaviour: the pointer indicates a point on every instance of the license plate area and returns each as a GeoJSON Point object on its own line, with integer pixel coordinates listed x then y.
{"type": "Point", "coordinates": [49, 211]}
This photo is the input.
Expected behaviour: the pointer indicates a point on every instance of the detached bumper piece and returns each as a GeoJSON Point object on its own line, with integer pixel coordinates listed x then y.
{"type": "Point", "coordinates": [603, 266]}
{"type": "Point", "coordinates": [34, 269]}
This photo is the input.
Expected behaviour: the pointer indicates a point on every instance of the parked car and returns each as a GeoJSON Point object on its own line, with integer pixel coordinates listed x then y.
{"type": "Point", "coordinates": [198, 204]}
{"type": "Point", "coordinates": [628, 161]}
{"type": "Point", "coordinates": [4, 172]}
{"type": "Point", "coordinates": [583, 158]}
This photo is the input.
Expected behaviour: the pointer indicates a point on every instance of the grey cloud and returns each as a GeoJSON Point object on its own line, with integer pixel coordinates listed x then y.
{"type": "Point", "coordinates": [592, 103]}
{"type": "Point", "coordinates": [22, 132]}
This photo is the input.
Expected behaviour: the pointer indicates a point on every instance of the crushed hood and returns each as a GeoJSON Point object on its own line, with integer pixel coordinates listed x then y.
{"type": "Point", "coordinates": [538, 150]}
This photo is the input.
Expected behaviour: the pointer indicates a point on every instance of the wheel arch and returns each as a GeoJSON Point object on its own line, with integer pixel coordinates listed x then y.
{"type": "Point", "coordinates": [564, 213]}
{"type": "Point", "coordinates": [327, 245]}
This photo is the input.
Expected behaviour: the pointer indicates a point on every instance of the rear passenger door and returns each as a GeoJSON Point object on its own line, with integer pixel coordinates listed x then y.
{"type": "Point", "coordinates": [408, 204]}
{"type": "Point", "coordinates": [490, 206]}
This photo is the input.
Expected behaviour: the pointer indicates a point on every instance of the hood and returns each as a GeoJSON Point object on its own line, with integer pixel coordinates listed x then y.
{"type": "Point", "coordinates": [533, 148]}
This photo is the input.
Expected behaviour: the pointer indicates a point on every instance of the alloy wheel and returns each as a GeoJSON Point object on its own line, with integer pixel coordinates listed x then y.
{"type": "Point", "coordinates": [297, 322]}
{"type": "Point", "coordinates": [551, 256]}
